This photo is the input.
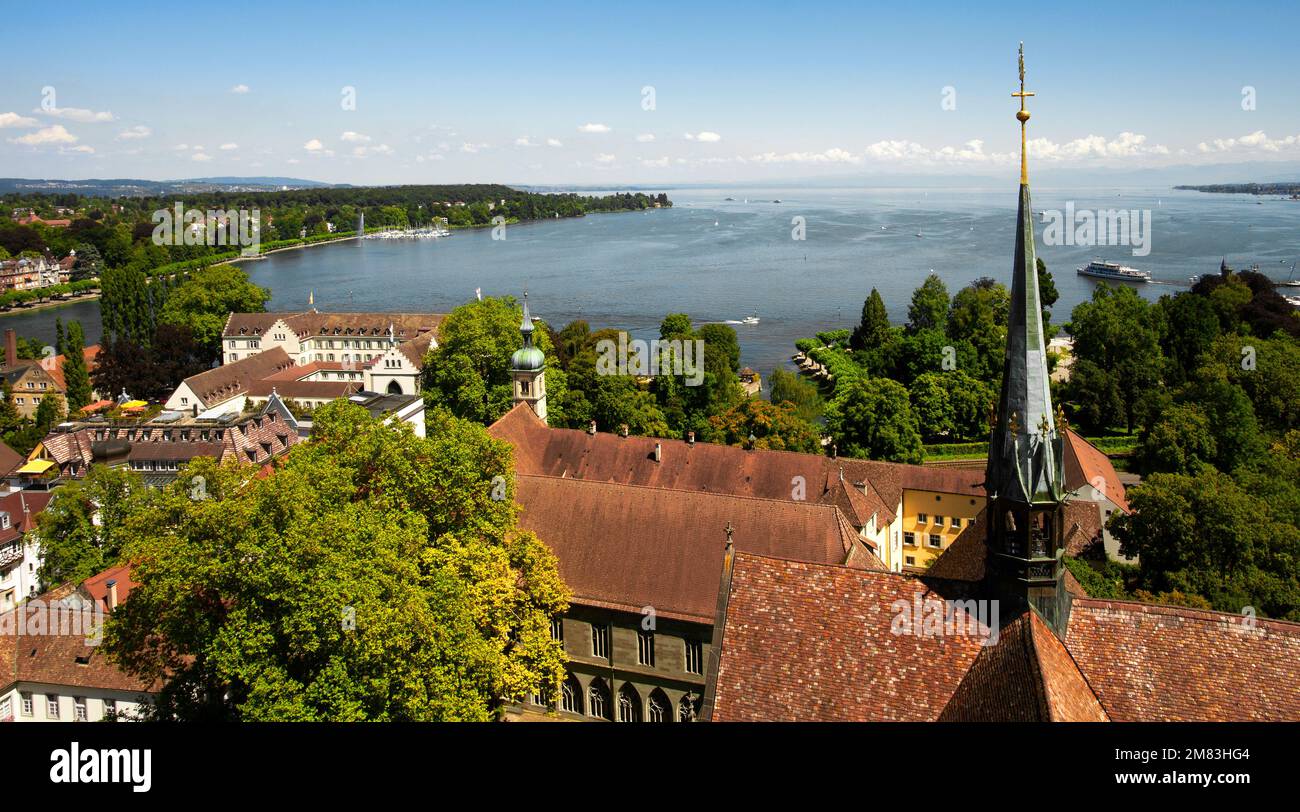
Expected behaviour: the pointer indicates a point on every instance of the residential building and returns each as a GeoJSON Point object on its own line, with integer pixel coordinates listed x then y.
{"type": "Point", "coordinates": [158, 447]}
{"type": "Point", "coordinates": [20, 550]}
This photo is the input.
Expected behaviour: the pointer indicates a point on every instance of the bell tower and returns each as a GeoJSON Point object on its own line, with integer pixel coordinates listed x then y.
{"type": "Point", "coordinates": [1025, 474]}
{"type": "Point", "coordinates": [528, 369]}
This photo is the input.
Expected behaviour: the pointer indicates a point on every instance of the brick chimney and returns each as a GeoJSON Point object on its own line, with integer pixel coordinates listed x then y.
{"type": "Point", "coordinates": [11, 349]}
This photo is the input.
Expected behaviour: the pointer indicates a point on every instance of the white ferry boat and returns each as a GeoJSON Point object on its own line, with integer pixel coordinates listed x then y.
{"type": "Point", "coordinates": [1113, 270]}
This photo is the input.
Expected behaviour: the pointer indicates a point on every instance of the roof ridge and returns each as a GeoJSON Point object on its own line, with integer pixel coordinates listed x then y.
{"type": "Point", "coordinates": [1185, 611]}
{"type": "Point", "coordinates": [662, 489]}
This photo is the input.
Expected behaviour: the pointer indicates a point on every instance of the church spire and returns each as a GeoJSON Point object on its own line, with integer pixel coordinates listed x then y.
{"type": "Point", "coordinates": [1025, 475]}
{"type": "Point", "coordinates": [1023, 462]}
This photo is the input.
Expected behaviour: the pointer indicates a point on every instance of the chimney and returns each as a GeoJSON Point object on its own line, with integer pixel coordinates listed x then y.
{"type": "Point", "coordinates": [834, 451]}
{"type": "Point", "coordinates": [659, 452]}
{"type": "Point", "coordinates": [622, 430]}
{"type": "Point", "coordinates": [690, 438]}
{"type": "Point", "coordinates": [112, 594]}
{"type": "Point", "coordinates": [11, 348]}
{"type": "Point", "coordinates": [591, 428]}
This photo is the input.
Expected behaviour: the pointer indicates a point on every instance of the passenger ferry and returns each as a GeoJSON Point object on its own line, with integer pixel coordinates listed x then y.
{"type": "Point", "coordinates": [1113, 270]}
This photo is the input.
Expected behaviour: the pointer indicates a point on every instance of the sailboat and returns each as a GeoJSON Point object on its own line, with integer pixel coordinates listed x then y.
{"type": "Point", "coordinates": [1291, 281]}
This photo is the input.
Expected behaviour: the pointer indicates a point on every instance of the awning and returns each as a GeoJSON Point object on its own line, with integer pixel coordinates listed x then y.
{"type": "Point", "coordinates": [35, 467]}
{"type": "Point", "coordinates": [135, 404]}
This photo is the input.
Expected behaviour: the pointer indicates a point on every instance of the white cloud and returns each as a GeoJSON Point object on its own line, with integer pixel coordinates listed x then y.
{"type": "Point", "coordinates": [658, 163]}
{"type": "Point", "coordinates": [181, 147]}
{"type": "Point", "coordinates": [1256, 141]}
{"type": "Point", "coordinates": [381, 149]}
{"type": "Point", "coordinates": [593, 128]}
{"type": "Point", "coordinates": [605, 158]}
{"type": "Point", "coordinates": [132, 133]}
{"type": "Point", "coordinates": [645, 138]}
{"type": "Point", "coordinates": [201, 157]}
{"type": "Point", "coordinates": [78, 114]}
{"type": "Point", "coordinates": [553, 142]}
{"type": "Point", "coordinates": [48, 135]}
{"type": "Point", "coordinates": [834, 155]}
{"type": "Point", "coordinates": [354, 137]}
{"type": "Point", "coordinates": [239, 89]}
{"type": "Point", "coordinates": [314, 145]}
{"type": "Point", "coordinates": [472, 148]}
{"type": "Point", "coordinates": [1125, 145]}
{"type": "Point", "coordinates": [525, 141]}
{"type": "Point", "coordinates": [82, 148]}
{"type": "Point", "coordinates": [228, 147]}
{"type": "Point", "coordinates": [706, 137]}
{"type": "Point", "coordinates": [294, 161]}
{"type": "Point", "coordinates": [15, 120]}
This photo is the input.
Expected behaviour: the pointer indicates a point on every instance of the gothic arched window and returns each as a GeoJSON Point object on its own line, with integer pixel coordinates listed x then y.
{"type": "Point", "coordinates": [629, 704]}
{"type": "Point", "coordinates": [394, 388]}
{"type": "Point", "coordinates": [598, 699]}
{"type": "Point", "coordinates": [571, 695]}
{"type": "Point", "coordinates": [657, 707]}
{"type": "Point", "coordinates": [688, 708]}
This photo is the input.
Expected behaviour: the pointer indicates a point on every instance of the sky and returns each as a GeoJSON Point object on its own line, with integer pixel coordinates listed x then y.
{"type": "Point", "coordinates": [657, 93]}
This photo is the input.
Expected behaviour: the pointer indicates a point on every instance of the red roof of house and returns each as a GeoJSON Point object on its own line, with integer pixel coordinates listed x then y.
{"type": "Point", "coordinates": [1085, 464]}
{"type": "Point", "coordinates": [56, 371]}
{"type": "Point", "coordinates": [626, 547]}
{"type": "Point", "coordinates": [97, 585]}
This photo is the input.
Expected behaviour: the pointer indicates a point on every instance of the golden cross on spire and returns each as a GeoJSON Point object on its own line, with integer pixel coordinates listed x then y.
{"type": "Point", "coordinates": [1023, 116]}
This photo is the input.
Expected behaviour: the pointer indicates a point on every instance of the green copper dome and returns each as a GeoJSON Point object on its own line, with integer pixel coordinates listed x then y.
{"type": "Point", "coordinates": [527, 359]}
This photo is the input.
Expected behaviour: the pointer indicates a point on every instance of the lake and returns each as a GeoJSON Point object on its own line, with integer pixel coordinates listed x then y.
{"type": "Point", "coordinates": [722, 260]}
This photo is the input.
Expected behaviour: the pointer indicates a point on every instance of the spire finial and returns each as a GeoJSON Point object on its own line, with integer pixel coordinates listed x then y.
{"type": "Point", "coordinates": [1023, 117]}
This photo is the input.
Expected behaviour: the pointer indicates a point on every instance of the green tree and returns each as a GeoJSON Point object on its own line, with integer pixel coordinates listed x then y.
{"type": "Point", "coordinates": [789, 387]}
{"type": "Point", "coordinates": [204, 302]}
{"type": "Point", "coordinates": [373, 576]}
{"type": "Point", "coordinates": [930, 305]}
{"type": "Point", "coordinates": [873, 329]}
{"type": "Point", "coordinates": [872, 418]}
{"type": "Point", "coordinates": [1179, 442]}
{"type": "Point", "coordinates": [81, 530]}
{"type": "Point", "coordinates": [75, 373]}
{"type": "Point", "coordinates": [1119, 332]}
{"type": "Point", "coordinates": [469, 372]}
{"type": "Point", "coordinates": [774, 426]}
{"type": "Point", "coordinates": [931, 399]}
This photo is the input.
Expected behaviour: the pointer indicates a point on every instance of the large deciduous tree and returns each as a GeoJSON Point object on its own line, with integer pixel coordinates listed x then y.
{"type": "Point", "coordinates": [374, 575]}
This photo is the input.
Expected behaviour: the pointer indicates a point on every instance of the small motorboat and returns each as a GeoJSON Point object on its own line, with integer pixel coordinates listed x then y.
{"type": "Point", "coordinates": [749, 320]}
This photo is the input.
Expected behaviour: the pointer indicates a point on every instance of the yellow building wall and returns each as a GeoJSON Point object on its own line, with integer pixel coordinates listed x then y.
{"type": "Point", "coordinates": [932, 505]}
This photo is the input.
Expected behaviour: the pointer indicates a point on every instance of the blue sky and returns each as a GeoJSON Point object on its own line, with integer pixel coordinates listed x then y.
{"type": "Point", "coordinates": [742, 92]}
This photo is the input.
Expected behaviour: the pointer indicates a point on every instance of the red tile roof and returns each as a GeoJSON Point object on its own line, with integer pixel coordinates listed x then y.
{"type": "Point", "coordinates": [625, 547]}
{"type": "Point", "coordinates": [815, 642]}
{"type": "Point", "coordinates": [406, 326]}
{"type": "Point", "coordinates": [699, 466]}
{"type": "Point", "coordinates": [96, 586]}
{"type": "Point", "coordinates": [10, 460]}
{"type": "Point", "coordinates": [230, 380]}
{"type": "Point", "coordinates": [1085, 464]}
{"type": "Point", "coordinates": [1027, 676]}
{"type": "Point", "coordinates": [1165, 663]}
{"type": "Point", "coordinates": [90, 354]}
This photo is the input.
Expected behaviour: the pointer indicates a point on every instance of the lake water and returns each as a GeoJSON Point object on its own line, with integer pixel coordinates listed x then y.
{"type": "Point", "coordinates": [722, 260]}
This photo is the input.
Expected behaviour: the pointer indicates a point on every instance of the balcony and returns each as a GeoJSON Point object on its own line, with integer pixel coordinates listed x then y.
{"type": "Point", "coordinates": [11, 554]}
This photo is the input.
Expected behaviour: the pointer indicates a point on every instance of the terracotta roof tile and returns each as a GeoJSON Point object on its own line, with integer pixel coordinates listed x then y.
{"type": "Point", "coordinates": [1085, 464]}
{"type": "Point", "coordinates": [815, 642]}
{"type": "Point", "coordinates": [624, 546]}
{"type": "Point", "coordinates": [1163, 663]}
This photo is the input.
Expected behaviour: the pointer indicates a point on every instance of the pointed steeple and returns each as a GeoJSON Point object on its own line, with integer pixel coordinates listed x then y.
{"type": "Point", "coordinates": [1024, 455]}
{"type": "Point", "coordinates": [528, 368]}
{"type": "Point", "coordinates": [1025, 474]}
{"type": "Point", "coordinates": [526, 326]}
